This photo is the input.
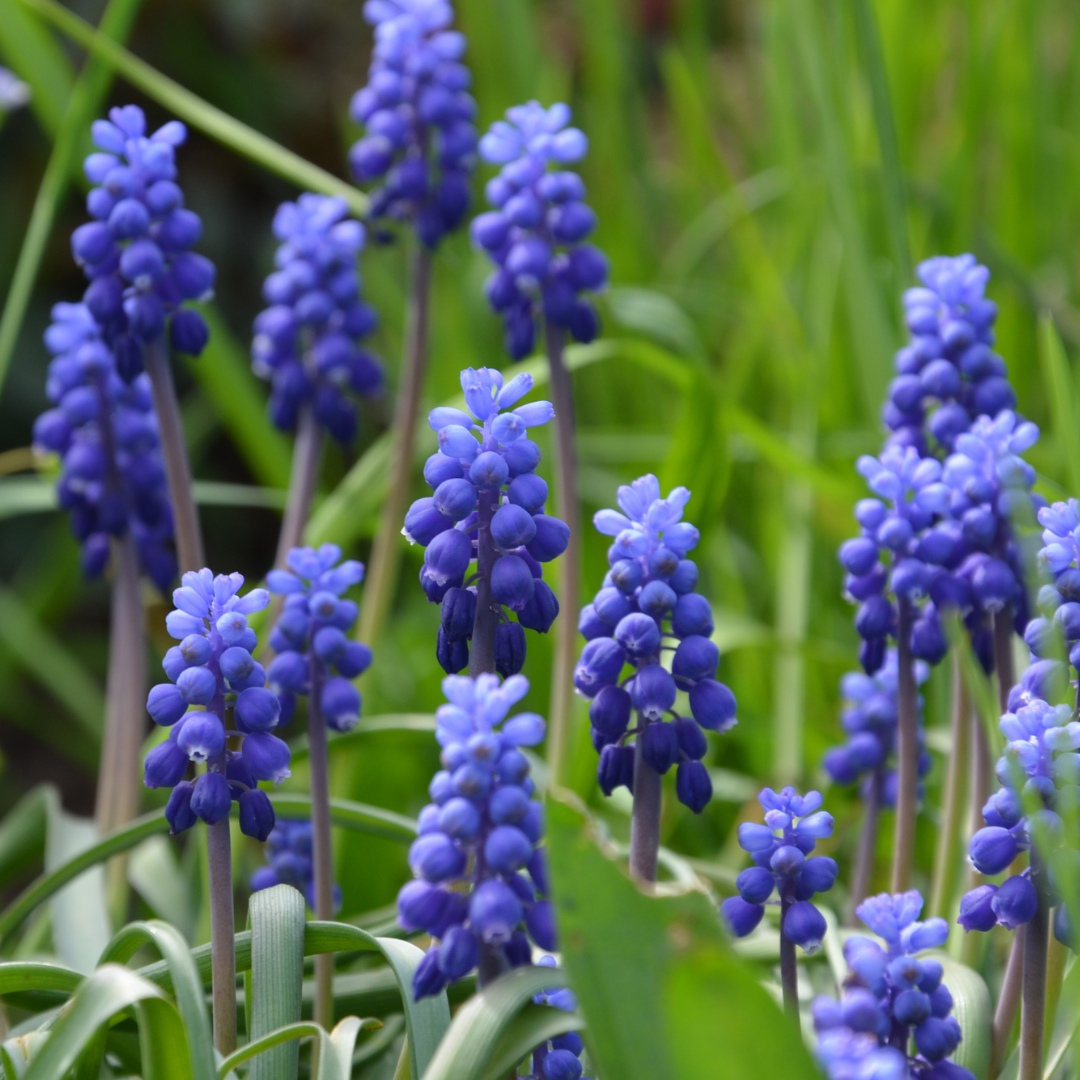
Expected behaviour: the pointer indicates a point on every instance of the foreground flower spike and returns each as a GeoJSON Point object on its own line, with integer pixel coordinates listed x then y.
{"type": "Point", "coordinates": [212, 671]}
{"type": "Point", "coordinates": [316, 658]}
{"type": "Point", "coordinates": [868, 758]}
{"type": "Point", "coordinates": [557, 1058]}
{"type": "Point", "coordinates": [481, 882]}
{"type": "Point", "coordinates": [420, 139]}
{"type": "Point", "coordinates": [137, 254]}
{"type": "Point", "coordinates": [535, 233]}
{"type": "Point", "coordinates": [648, 596]}
{"type": "Point", "coordinates": [782, 850]}
{"type": "Point", "coordinates": [289, 855]}
{"type": "Point", "coordinates": [891, 998]}
{"type": "Point", "coordinates": [488, 505]}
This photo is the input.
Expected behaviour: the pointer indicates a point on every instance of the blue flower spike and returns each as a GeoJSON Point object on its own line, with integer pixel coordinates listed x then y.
{"type": "Point", "coordinates": [289, 861]}
{"type": "Point", "coordinates": [481, 883]}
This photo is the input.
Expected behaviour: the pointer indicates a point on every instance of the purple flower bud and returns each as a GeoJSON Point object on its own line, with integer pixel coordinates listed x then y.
{"type": "Point", "coordinates": [459, 953]}
{"type": "Point", "coordinates": [436, 858]}
{"type": "Point", "coordinates": [858, 556]}
{"type": "Point", "coordinates": [460, 819]}
{"type": "Point", "coordinates": [805, 926]}
{"type": "Point", "coordinates": [540, 922]}
{"type": "Point", "coordinates": [787, 861]}
{"type": "Point", "coordinates": [542, 610]}
{"type": "Point", "coordinates": [937, 1038]}
{"type": "Point", "coordinates": [512, 582]}
{"type": "Point", "coordinates": [977, 909]}
{"type": "Point", "coordinates": [713, 705]}
{"type": "Point", "coordinates": [340, 702]}
{"type": "Point", "coordinates": [201, 736]}
{"type": "Point", "coordinates": [875, 618]}
{"type": "Point", "coordinates": [427, 979]}
{"type": "Point", "coordinates": [512, 527]}
{"type": "Point", "coordinates": [423, 522]}
{"type": "Point", "coordinates": [992, 850]}
{"type": "Point", "coordinates": [266, 756]}
{"type": "Point", "coordinates": [165, 704]}
{"type": "Point", "coordinates": [421, 905]}
{"type": "Point", "coordinates": [165, 765]}
{"type": "Point", "coordinates": [741, 917]}
{"type": "Point", "coordinates": [653, 691]}
{"type": "Point", "coordinates": [256, 814]}
{"type": "Point", "coordinates": [494, 911]}
{"type": "Point", "coordinates": [1015, 902]}
{"type": "Point", "coordinates": [638, 634]}
{"type": "Point", "coordinates": [615, 768]}
{"type": "Point", "coordinates": [552, 536]}
{"type": "Point", "coordinates": [509, 648]}
{"type": "Point", "coordinates": [257, 709]}
{"type": "Point", "coordinates": [197, 685]}
{"type": "Point", "coordinates": [819, 874]}
{"type": "Point", "coordinates": [506, 849]}
{"type": "Point", "coordinates": [755, 884]}
{"type": "Point", "coordinates": [609, 711]}
{"type": "Point", "coordinates": [528, 491]}
{"type": "Point", "coordinates": [695, 658]}
{"type": "Point", "coordinates": [178, 810]}
{"type": "Point", "coordinates": [691, 738]}
{"type": "Point", "coordinates": [211, 799]}
{"type": "Point", "coordinates": [448, 556]}
{"type": "Point", "coordinates": [455, 499]}
{"type": "Point", "coordinates": [600, 665]}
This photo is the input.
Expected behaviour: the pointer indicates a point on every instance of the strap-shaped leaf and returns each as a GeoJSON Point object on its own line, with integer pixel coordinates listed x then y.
{"type": "Point", "coordinates": [165, 1045]}
{"type": "Point", "coordinates": [18, 976]}
{"type": "Point", "coordinates": [186, 984]}
{"type": "Point", "coordinates": [468, 1049]}
{"type": "Point", "coordinates": [535, 1024]}
{"type": "Point", "coordinates": [335, 1052]}
{"type": "Point", "coordinates": [974, 1013]}
{"type": "Point", "coordinates": [353, 815]}
{"type": "Point", "coordinates": [18, 1051]}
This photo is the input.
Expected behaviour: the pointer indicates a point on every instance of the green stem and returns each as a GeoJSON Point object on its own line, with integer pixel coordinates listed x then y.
{"type": "Point", "coordinates": [1033, 1001]}
{"type": "Point", "coordinates": [1008, 1000]}
{"type": "Point", "coordinates": [222, 929]}
{"type": "Point", "coordinates": [645, 818]}
{"type": "Point", "coordinates": [952, 822]}
{"type": "Point", "coordinates": [907, 739]}
{"type": "Point", "coordinates": [1003, 658]}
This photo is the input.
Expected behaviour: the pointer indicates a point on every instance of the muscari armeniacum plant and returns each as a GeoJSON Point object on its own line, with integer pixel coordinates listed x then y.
{"type": "Point", "coordinates": [784, 864]}
{"type": "Point", "coordinates": [647, 598]}
{"type": "Point", "coordinates": [137, 254]}
{"type": "Point", "coordinates": [481, 882]}
{"type": "Point", "coordinates": [891, 998]}
{"type": "Point", "coordinates": [418, 149]}
{"type": "Point", "coordinates": [212, 676]}
{"type": "Point", "coordinates": [307, 343]}
{"type": "Point", "coordinates": [535, 236]}
{"type": "Point", "coordinates": [487, 506]}
{"type": "Point", "coordinates": [315, 658]}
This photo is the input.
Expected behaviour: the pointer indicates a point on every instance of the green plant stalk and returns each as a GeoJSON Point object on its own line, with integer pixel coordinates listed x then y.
{"type": "Point", "coordinates": [863, 870]}
{"type": "Point", "coordinates": [207, 118]}
{"type": "Point", "coordinates": [86, 98]}
{"type": "Point", "coordinates": [568, 503]}
{"type": "Point", "coordinates": [1008, 1000]}
{"type": "Point", "coordinates": [1033, 997]}
{"type": "Point", "coordinates": [322, 849]}
{"type": "Point", "coordinates": [189, 545]}
{"type": "Point", "coordinates": [789, 973]}
{"type": "Point", "coordinates": [1003, 658]}
{"type": "Point", "coordinates": [950, 833]}
{"type": "Point", "coordinates": [222, 928]}
{"type": "Point", "coordinates": [386, 548]}
{"type": "Point", "coordinates": [303, 480]}
{"type": "Point", "coordinates": [482, 650]}
{"type": "Point", "coordinates": [907, 738]}
{"type": "Point", "coordinates": [645, 817]}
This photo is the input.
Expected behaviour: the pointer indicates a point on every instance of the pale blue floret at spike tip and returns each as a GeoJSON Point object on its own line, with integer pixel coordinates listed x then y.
{"type": "Point", "coordinates": [648, 595]}
{"type": "Point", "coordinates": [891, 998]}
{"type": "Point", "coordinates": [307, 343]}
{"type": "Point", "coordinates": [212, 667]}
{"type": "Point", "coordinates": [536, 230]}
{"type": "Point", "coordinates": [487, 451]}
{"type": "Point", "coordinates": [482, 830]}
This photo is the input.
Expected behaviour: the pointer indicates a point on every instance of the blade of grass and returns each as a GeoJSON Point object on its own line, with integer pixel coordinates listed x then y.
{"type": "Point", "coordinates": [1061, 390]}
{"type": "Point", "coordinates": [31, 51]}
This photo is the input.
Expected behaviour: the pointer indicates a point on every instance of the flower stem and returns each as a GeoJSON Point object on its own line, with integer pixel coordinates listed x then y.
{"type": "Point", "coordinates": [386, 549]}
{"type": "Point", "coordinates": [1003, 658]}
{"type": "Point", "coordinates": [568, 503]}
{"type": "Point", "coordinates": [307, 453]}
{"type": "Point", "coordinates": [493, 963]}
{"type": "Point", "coordinates": [864, 856]}
{"type": "Point", "coordinates": [789, 974]}
{"type": "Point", "coordinates": [222, 928]}
{"type": "Point", "coordinates": [189, 545]}
{"type": "Point", "coordinates": [1008, 999]}
{"type": "Point", "coordinates": [645, 819]}
{"type": "Point", "coordinates": [322, 850]}
{"type": "Point", "coordinates": [907, 740]}
{"type": "Point", "coordinates": [1033, 1007]}
{"type": "Point", "coordinates": [952, 824]}
{"type": "Point", "coordinates": [482, 651]}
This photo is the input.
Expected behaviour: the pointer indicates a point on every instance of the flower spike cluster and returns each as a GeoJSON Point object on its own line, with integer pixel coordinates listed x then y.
{"type": "Point", "coordinates": [210, 671]}
{"type": "Point", "coordinates": [535, 233]}
{"type": "Point", "coordinates": [307, 343]}
{"type": "Point", "coordinates": [648, 595]}
{"type": "Point", "coordinates": [137, 250]}
{"type": "Point", "coordinates": [418, 114]}
{"type": "Point", "coordinates": [890, 997]}
{"type": "Point", "coordinates": [1060, 601]}
{"type": "Point", "coordinates": [493, 477]}
{"type": "Point", "coordinates": [310, 638]}
{"type": "Point", "coordinates": [869, 718]}
{"type": "Point", "coordinates": [288, 853]}
{"type": "Point", "coordinates": [782, 850]}
{"type": "Point", "coordinates": [1040, 762]}
{"type": "Point", "coordinates": [105, 431]}
{"type": "Point", "coordinates": [480, 875]}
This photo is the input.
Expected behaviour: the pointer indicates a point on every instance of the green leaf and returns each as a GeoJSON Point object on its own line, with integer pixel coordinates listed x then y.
{"type": "Point", "coordinates": [274, 1039]}
{"type": "Point", "coordinates": [369, 724]}
{"type": "Point", "coordinates": [660, 1009]}
{"type": "Point", "coordinates": [23, 831]}
{"type": "Point", "coordinates": [1066, 1022]}
{"type": "Point", "coordinates": [102, 995]}
{"type": "Point", "coordinates": [277, 976]}
{"type": "Point", "coordinates": [19, 976]}
{"type": "Point", "coordinates": [352, 815]}
{"type": "Point", "coordinates": [335, 1050]}
{"type": "Point", "coordinates": [85, 100]}
{"type": "Point", "coordinates": [155, 873]}
{"type": "Point", "coordinates": [186, 984]}
{"type": "Point", "coordinates": [166, 1047]}
{"type": "Point", "coordinates": [200, 114]}
{"type": "Point", "coordinates": [224, 374]}
{"type": "Point", "coordinates": [1061, 390]}
{"type": "Point", "coordinates": [32, 52]}
{"type": "Point", "coordinates": [973, 1011]}
{"type": "Point", "coordinates": [468, 1048]}
{"type": "Point", "coordinates": [16, 1053]}
{"type": "Point", "coordinates": [530, 1027]}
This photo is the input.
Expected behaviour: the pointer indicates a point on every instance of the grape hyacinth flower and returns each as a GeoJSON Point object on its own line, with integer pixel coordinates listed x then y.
{"type": "Point", "coordinates": [288, 854]}
{"type": "Point", "coordinates": [481, 883]}
{"type": "Point", "coordinates": [488, 504]}
{"type": "Point", "coordinates": [307, 343]}
{"type": "Point", "coordinates": [784, 863]}
{"type": "Point", "coordinates": [535, 232]}
{"type": "Point", "coordinates": [14, 93]}
{"type": "Point", "coordinates": [420, 139]}
{"type": "Point", "coordinates": [648, 596]}
{"type": "Point", "coordinates": [1060, 601]}
{"type": "Point", "coordinates": [105, 431]}
{"type": "Point", "coordinates": [891, 997]}
{"type": "Point", "coordinates": [557, 1058]}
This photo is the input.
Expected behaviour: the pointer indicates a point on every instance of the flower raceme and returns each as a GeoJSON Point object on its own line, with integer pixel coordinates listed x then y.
{"type": "Point", "coordinates": [535, 232]}
{"type": "Point", "coordinates": [211, 671]}
{"type": "Point", "coordinates": [782, 850]}
{"type": "Point", "coordinates": [890, 998]}
{"type": "Point", "coordinates": [289, 858]}
{"type": "Point", "coordinates": [480, 875]}
{"type": "Point", "coordinates": [307, 343]}
{"type": "Point", "coordinates": [648, 596]}
{"type": "Point", "coordinates": [310, 638]}
{"type": "Point", "coordinates": [137, 250]}
{"type": "Point", "coordinates": [489, 481]}
{"type": "Point", "coordinates": [418, 115]}
{"type": "Point", "coordinates": [105, 431]}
